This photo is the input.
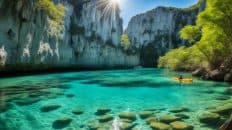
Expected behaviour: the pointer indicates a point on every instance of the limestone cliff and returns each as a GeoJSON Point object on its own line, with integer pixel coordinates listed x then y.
{"type": "Point", "coordinates": [155, 32]}
{"type": "Point", "coordinates": [86, 37]}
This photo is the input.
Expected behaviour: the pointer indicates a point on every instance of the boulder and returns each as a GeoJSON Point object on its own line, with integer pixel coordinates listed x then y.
{"type": "Point", "coordinates": [145, 114]}
{"type": "Point", "coordinates": [169, 118]}
{"type": "Point", "coordinates": [61, 123]}
{"type": "Point", "coordinates": [199, 72]}
{"type": "Point", "coordinates": [179, 125]}
{"type": "Point", "coordinates": [106, 118]}
{"type": "Point", "coordinates": [217, 75]}
{"type": "Point", "coordinates": [228, 77]}
{"type": "Point", "coordinates": [48, 108]}
{"type": "Point", "coordinates": [209, 118]}
{"type": "Point", "coordinates": [102, 111]}
{"type": "Point", "coordinates": [159, 126]}
{"type": "Point", "coordinates": [128, 115]}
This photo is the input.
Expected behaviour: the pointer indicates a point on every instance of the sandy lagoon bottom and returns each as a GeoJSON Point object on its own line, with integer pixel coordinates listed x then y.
{"type": "Point", "coordinates": [70, 100]}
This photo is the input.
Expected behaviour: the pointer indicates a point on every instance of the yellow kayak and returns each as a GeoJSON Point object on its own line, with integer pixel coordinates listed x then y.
{"type": "Point", "coordinates": [184, 80]}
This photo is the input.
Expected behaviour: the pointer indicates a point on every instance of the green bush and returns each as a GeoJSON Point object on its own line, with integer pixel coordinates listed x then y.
{"type": "Point", "coordinates": [182, 58]}
{"type": "Point", "coordinates": [125, 41]}
{"type": "Point", "coordinates": [55, 12]}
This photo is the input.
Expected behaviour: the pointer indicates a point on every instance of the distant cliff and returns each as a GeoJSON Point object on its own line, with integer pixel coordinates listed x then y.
{"type": "Point", "coordinates": [85, 37]}
{"type": "Point", "coordinates": [155, 32]}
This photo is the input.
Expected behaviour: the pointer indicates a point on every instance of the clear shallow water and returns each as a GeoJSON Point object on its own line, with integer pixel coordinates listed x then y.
{"type": "Point", "coordinates": [119, 90]}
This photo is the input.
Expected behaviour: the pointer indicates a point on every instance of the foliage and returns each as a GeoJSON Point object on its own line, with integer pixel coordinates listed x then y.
{"type": "Point", "coordinates": [212, 37]}
{"type": "Point", "coordinates": [191, 33]}
{"type": "Point", "coordinates": [125, 41]}
{"type": "Point", "coordinates": [182, 58]}
{"type": "Point", "coordinates": [55, 12]}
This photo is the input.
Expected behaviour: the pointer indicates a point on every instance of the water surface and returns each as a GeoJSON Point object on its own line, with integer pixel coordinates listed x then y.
{"type": "Point", "coordinates": [133, 90]}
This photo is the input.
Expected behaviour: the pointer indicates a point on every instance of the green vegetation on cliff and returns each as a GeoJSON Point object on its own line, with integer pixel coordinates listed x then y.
{"type": "Point", "coordinates": [55, 12]}
{"type": "Point", "coordinates": [211, 36]}
{"type": "Point", "coordinates": [125, 41]}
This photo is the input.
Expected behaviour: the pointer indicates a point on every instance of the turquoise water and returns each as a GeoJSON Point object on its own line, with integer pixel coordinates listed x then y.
{"type": "Point", "coordinates": [133, 90]}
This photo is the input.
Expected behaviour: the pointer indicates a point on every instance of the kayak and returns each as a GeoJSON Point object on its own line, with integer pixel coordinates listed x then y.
{"type": "Point", "coordinates": [184, 80]}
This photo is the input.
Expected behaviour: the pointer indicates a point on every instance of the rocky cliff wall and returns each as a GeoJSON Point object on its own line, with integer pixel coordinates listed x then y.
{"type": "Point", "coordinates": [86, 37]}
{"type": "Point", "coordinates": [155, 32]}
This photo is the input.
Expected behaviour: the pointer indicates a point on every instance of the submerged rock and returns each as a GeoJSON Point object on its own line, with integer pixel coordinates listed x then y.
{"type": "Point", "coordinates": [150, 120]}
{"type": "Point", "coordinates": [209, 118]}
{"type": "Point", "coordinates": [48, 108]}
{"type": "Point", "coordinates": [182, 115]}
{"type": "Point", "coordinates": [77, 111]}
{"type": "Point", "coordinates": [145, 114]}
{"type": "Point", "coordinates": [4, 107]}
{"type": "Point", "coordinates": [102, 111]}
{"type": "Point", "coordinates": [70, 95]}
{"type": "Point", "coordinates": [169, 118]}
{"type": "Point", "coordinates": [176, 110]}
{"type": "Point", "coordinates": [27, 101]}
{"type": "Point", "coordinates": [126, 126]}
{"type": "Point", "coordinates": [61, 123]}
{"type": "Point", "coordinates": [94, 125]}
{"type": "Point", "coordinates": [224, 109]}
{"type": "Point", "coordinates": [179, 125]}
{"type": "Point", "coordinates": [128, 115]}
{"type": "Point", "coordinates": [159, 126]}
{"type": "Point", "coordinates": [106, 118]}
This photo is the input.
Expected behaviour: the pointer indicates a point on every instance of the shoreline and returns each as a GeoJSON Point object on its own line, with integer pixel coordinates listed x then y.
{"type": "Point", "coordinates": [9, 72]}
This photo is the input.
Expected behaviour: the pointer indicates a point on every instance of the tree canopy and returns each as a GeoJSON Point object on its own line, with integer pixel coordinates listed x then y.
{"type": "Point", "coordinates": [212, 38]}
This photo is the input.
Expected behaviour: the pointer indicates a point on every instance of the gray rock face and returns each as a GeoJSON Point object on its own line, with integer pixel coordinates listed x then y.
{"type": "Point", "coordinates": [157, 31]}
{"type": "Point", "coordinates": [87, 36]}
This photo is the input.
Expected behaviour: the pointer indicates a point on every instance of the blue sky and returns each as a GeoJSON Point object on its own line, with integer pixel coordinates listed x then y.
{"type": "Point", "coordinates": [130, 8]}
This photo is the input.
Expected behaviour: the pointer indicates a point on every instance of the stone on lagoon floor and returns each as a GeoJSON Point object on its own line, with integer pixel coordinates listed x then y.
{"type": "Point", "coordinates": [77, 111]}
{"type": "Point", "coordinates": [177, 110]}
{"type": "Point", "coordinates": [48, 108]}
{"type": "Point", "coordinates": [146, 114]}
{"type": "Point", "coordinates": [105, 118]}
{"type": "Point", "coordinates": [179, 125]}
{"type": "Point", "coordinates": [210, 118]}
{"type": "Point", "coordinates": [168, 118]}
{"type": "Point", "coordinates": [61, 123]}
{"type": "Point", "coordinates": [159, 126]}
{"type": "Point", "coordinates": [128, 115]}
{"type": "Point", "coordinates": [102, 111]}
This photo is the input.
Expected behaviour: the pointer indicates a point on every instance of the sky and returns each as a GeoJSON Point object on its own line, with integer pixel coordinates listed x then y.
{"type": "Point", "coordinates": [130, 8]}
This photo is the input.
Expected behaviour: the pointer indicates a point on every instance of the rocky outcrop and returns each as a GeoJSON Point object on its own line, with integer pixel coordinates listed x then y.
{"type": "Point", "coordinates": [222, 73]}
{"type": "Point", "coordinates": [86, 37]}
{"type": "Point", "coordinates": [155, 32]}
